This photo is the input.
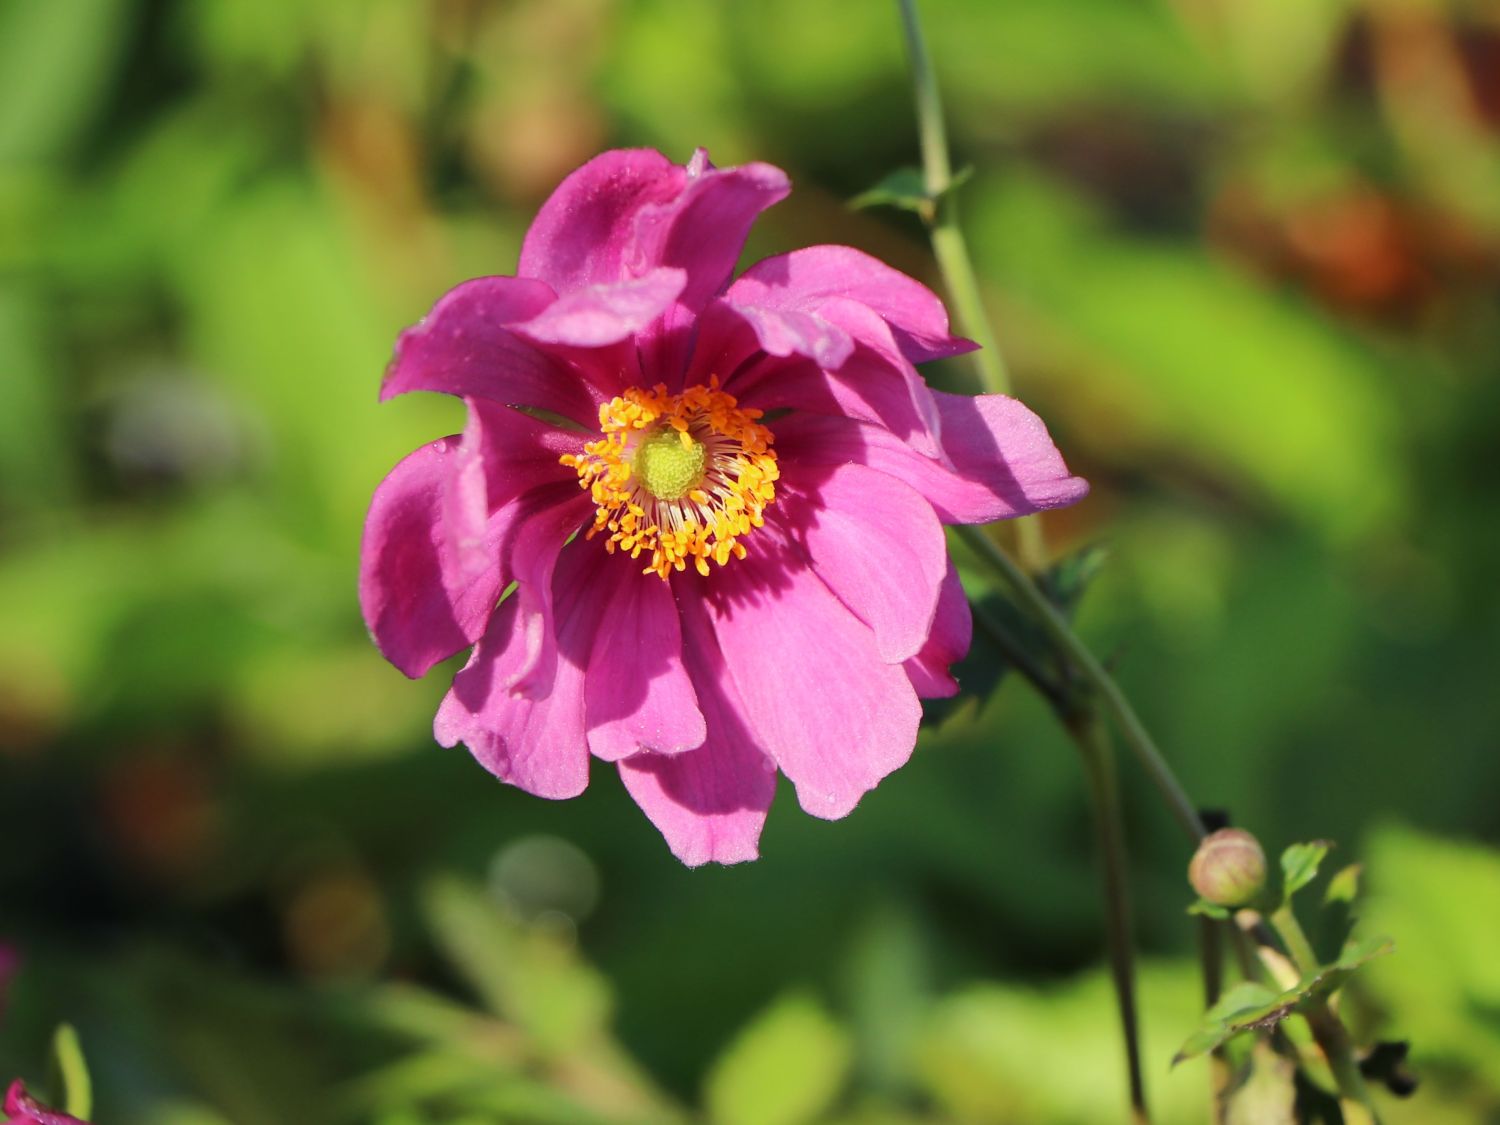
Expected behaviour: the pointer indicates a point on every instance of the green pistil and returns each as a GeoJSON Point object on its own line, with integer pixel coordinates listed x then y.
{"type": "Point", "coordinates": [667, 468]}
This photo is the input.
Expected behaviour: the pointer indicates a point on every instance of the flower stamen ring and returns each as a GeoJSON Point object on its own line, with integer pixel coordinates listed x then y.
{"type": "Point", "coordinates": [678, 477]}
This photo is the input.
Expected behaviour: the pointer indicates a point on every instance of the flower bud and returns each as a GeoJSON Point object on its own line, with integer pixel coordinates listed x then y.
{"type": "Point", "coordinates": [1229, 868]}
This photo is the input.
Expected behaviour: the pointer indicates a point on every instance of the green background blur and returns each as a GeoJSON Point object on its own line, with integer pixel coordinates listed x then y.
{"type": "Point", "coordinates": [1244, 256]}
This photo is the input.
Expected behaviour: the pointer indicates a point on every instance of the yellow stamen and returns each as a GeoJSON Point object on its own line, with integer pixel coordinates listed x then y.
{"type": "Point", "coordinates": [679, 477]}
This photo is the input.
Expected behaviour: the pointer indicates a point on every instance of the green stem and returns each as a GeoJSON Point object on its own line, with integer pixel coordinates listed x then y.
{"type": "Point", "coordinates": [1328, 1030]}
{"type": "Point", "coordinates": [952, 252]}
{"type": "Point", "coordinates": [1211, 961]}
{"type": "Point", "coordinates": [1292, 935]}
{"type": "Point", "coordinates": [1099, 766]}
{"type": "Point", "coordinates": [1087, 665]}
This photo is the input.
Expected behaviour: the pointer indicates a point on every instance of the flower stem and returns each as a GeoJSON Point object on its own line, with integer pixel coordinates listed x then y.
{"type": "Point", "coordinates": [1087, 665]}
{"type": "Point", "coordinates": [1211, 961]}
{"type": "Point", "coordinates": [952, 252]}
{"type": "Point", "coordinates": [1099, 765]}
{"type": "Point", "coordinates": [1328, 1030]}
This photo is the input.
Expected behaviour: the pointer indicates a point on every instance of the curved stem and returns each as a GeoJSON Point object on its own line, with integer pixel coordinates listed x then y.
{"type": "Point", "coordinates": [952, 252]}
{"type": "Point", "coordinates": [1099, 766]}
{"type": "Point", "coordinates": [1087, 665]}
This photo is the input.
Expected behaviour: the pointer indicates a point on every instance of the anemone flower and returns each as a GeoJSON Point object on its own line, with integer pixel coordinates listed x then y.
{"type": "Point", "coordinates": [693, 526]}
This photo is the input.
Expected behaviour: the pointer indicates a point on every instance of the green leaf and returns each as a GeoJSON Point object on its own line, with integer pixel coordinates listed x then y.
{"type": "Point", "coordinates": [1299, 865]}
{"type": "Point", "coordinates": [786, 1068]}
{"type": "Point", "coordinates": [1207, 909]}
{"type": "Point", "coordinates": [73, 1081]}
{"type": "Point", "coordinates": [527, 975]}
{"type": "Point", "coordinates": [1247, 1006]}
{"type": "Point", "coordinates": [1344, 886]}
{"type": "Point", "coordinates": [1253, 1007]}
{"type": "Point", "coordinates": [906, 190]}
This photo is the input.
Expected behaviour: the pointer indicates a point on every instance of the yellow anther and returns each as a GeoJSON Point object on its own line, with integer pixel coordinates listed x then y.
{"type": "Point", "coordinates": [691, 498]}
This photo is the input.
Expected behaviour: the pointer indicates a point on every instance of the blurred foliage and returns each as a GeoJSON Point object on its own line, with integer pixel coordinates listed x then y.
{"type": "Point", "coordinates": [1244, 257]}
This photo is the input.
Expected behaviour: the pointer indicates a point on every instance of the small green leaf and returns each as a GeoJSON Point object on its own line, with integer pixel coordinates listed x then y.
{"type": "Point", "coordinates": [74, 1084]}
{"type": "Point", "coordinates": [1066, 581]}
{"type": "Point", "coordinates": [1253, 1007]}
{"type": "Point", "coordinates": [1344, 886]}
{"type": "Point", "coordinates": [1244, 1007]}
{"type": "Point", "coordinates": [1299, 865]}
{"type": "Point", "coordinates": [786, 1068]}
{"type": "Point", "coordinates": [906, 190]}
{"type": "Point", "coordinates": [1207, 909]}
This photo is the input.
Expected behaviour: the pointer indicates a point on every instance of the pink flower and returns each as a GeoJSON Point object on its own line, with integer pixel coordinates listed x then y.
{"type": "Point", "coordinates": [22, 1109]}
{"type": "Point", "coordinates": [759, 475]}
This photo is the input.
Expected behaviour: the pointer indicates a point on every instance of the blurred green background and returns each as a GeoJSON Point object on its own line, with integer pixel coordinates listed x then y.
{"type": "Point", "coordinates": [1245, 258]}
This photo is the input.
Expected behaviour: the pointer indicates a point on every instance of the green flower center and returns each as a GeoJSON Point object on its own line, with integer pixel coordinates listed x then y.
{"type": "Point", "coordinates": [670, 464]}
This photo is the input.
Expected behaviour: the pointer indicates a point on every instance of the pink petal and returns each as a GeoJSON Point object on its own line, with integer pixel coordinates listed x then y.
{"type": "Point", "coordinates": [532, 542]}
{"type": "Point", "coordinates": [952, 631]}
{"type": "Point", "coordinates": [709, 803]}
{"type": "Point", "coordinates": [629, 211]}
{"type": "Point", "coordinates": [517, 451]}
{"type": "Point", "coordinates": [21, 1108]}
{"type": "Point", "coordinates": [833, 715]}
{"type": "Point", "coordinates": [804, 279]}
{"type": "Point", "coordinates": [585, 233]}
{"type": "Point", "coordinates": [639, 695]}
{"type": "Point", "coordinates": [438, 537]}
{"type": "Point", "coordinates": [875, 384]}
{"type": "Point", "coordinates": [785, 332]}
{"type": "Point", "coordinates": [537, 744]}
{"type": "Point", "coordinates": [877, 544]}
{"type": "Point", "coordinates": [419, 611]}
{"type": "Point", "coordinates": [605, 313]}
{"type": "Point", "coordinates": [1003, 461]}
{"type": "Point", "coordinates": [467, 345]}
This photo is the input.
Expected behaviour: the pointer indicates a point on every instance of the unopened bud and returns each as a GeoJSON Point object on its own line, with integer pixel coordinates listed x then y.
{"type": "Point", "coordinates": [1229, 868]}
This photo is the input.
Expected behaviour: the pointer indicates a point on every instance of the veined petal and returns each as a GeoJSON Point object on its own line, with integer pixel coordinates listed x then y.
{"type": "Point", "coordinates": [605, 313]}
{"type": "Point", "coordinates": [833, 715]}
{"type": "Point", "coordinates": [952, 632]}
{"type": "Point", "coordinates": [639, 694]}
{"type": "Point", "coordinates": [630, 211]}
{"type": "Point", "coordinates": [710, 803]}
{"type": "Point", "coordinates": [418, 609]}
{"type": "Point", "coordinates": [877, 544]}
{"type": "Point", "coordinates": [537, 744]}
{"type": "Point", "coordinates": [468, 345]}
{"type": "Point", "coordinates": [1002, 462]}
{"type": "Point", "coordinates": [805, 279]}
{"type": "Point", "coordinates": [532, 543]}
{"type": "Point", "coordinates": [585, 233]}
{"type": "Point", "coordinates": [876, 383]}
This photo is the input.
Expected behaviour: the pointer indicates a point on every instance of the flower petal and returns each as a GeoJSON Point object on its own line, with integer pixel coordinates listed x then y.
{"type": "Point", "coordinates": [877, 544]}
{"type": "Point", "coordinates": [709, 803]}
{"type": "Point", "coordinates": [585, 233]}
{"type": "Point", "coordinates": [418, 609]}
{"type": "Point", "coordinates": [468, 345]}
{"type": "Point", "coordinates": [605, 313]}
{"type": "Point", "coordinates": [952, 632]}
{"type": "Point", "coordinates": [833, 715]}
{"type": "Point", "coordinates": [1003, 462]}
{"type": "Point", "coordinates": [876, 383]}
{"type": "Point", "coordinates": [532, 543]}
{"type": "Point", "coordinates": [629, 211]}
{"type": "Point", "coordinates": [537, 743]}
{"type": "Point", "coordinates": [804, 279]}
{"type": "Point", "coordinates": [639, 695]}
